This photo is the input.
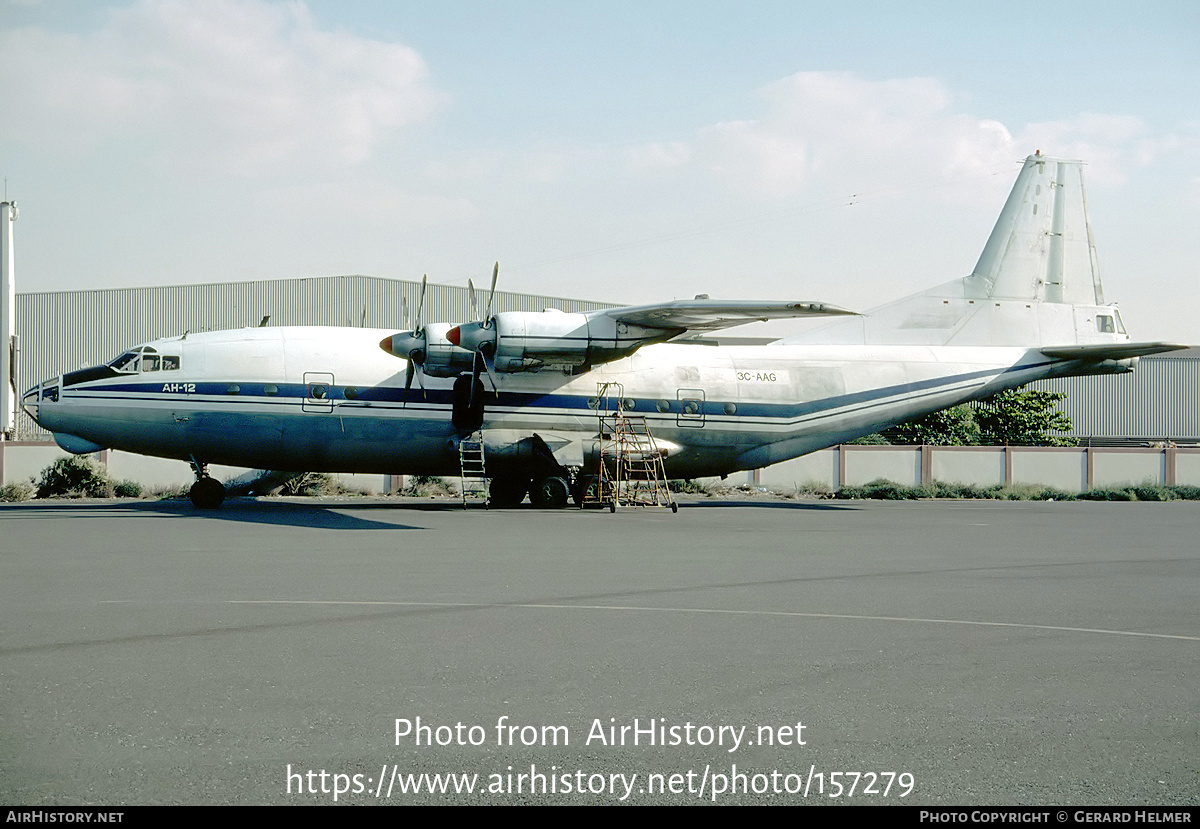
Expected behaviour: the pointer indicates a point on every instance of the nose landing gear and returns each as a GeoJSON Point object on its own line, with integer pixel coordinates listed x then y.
{"type": "Point", "coordinates": [207, 492]}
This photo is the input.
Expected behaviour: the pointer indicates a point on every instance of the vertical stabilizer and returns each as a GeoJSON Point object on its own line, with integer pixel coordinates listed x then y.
{"type": "Point", "coordinates": [1041, 247]}
{"type": "Point", "coordinates": [1037, 281]}
{"type": "Point", "coordinates": [8, 318]}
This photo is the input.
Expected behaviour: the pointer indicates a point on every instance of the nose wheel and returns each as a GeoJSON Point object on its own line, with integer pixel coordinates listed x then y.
{"type": "Point", "coordinates": [207, 492]}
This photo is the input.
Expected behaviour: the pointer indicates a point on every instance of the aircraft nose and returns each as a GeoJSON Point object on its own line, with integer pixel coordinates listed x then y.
{"type": "Point", "coordinates": [45, 392]}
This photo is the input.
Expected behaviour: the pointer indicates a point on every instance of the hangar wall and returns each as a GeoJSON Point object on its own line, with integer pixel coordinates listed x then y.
{"type": "Point", "coordinates": [1158, 401]}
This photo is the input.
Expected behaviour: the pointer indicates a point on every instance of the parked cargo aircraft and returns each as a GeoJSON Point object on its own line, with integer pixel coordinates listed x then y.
{"type": "Point", "coordinates": [343, 399]}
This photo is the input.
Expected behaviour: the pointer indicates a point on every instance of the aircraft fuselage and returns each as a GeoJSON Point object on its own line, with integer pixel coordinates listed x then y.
{"type": "Point", "coordinates": [328, 399]}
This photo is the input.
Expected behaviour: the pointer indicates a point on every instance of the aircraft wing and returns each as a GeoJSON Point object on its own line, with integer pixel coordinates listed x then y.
{"type": "Point", "coordinates": [1108, 351]}
{"type": "Point", "coordinates": [714, 314]}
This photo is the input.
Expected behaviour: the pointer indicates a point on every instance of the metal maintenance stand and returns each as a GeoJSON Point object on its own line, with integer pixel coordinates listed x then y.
{"type": "Point", "coordinates": [630, 467]}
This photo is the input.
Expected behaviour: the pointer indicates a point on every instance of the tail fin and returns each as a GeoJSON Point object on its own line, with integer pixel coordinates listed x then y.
{"type": "Point", "coordinates": [1037, 281]}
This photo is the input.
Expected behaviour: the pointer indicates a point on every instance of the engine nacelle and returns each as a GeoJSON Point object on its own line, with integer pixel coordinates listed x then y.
{"type": "Point", "coordinates": [532, 340]}
{"type": "Point", "coordinates": [431, 350]}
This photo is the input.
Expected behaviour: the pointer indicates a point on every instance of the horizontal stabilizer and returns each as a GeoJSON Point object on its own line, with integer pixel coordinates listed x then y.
{"type": "Point", "coordinates": [1108, 351]}
{"type": "Point", "coordinates": [713, 314]}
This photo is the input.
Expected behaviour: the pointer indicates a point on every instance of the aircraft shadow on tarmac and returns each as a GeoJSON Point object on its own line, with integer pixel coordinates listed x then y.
{"type": "Point", "coordinates": [332, 515]}
{"type": "Point", "coordinates": [315, 515]}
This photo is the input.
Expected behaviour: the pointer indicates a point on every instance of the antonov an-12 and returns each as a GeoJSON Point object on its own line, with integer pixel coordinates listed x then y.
{"type": "Point", "coordinates": [343, 399]}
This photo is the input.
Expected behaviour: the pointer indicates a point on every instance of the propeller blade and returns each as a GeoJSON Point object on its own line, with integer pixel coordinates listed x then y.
{"type": "Point", "coordinates": [421, 303]}
{"type": "Point", "coordinates": [417, 370]}
{"type": "Point", "coordinates": [495, 275]}
{"type": "Point", "coordinates": [490, 365]}
{"type": "Point", "coordinates": [482, 362]}
{"type": "Point", "coordinates": [474, 304]}
{"type": "Point", "coordinates": [403, 313]}
{"type": "Point", "coordinates": [408, 375]}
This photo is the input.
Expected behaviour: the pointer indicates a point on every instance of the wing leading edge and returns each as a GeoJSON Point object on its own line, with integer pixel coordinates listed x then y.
{"type": "Point", "coordinates": [714, 314]}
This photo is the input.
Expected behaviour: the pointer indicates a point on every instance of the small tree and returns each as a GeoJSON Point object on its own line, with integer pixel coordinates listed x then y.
{"type": "Point", "coordinates": [1023, 418]}
{"type": "Point", "coordinates": [955, 426]}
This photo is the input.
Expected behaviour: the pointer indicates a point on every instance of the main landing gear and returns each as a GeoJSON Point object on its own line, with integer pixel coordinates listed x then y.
{"type": "Point", "coordinates": [207, 492]}
{"type": "Point", "coordinates": [528, 466]}
{"type": "Point", "coordinates": [551, 492]}
{"type": "Point", "coordinates": [548, 492]}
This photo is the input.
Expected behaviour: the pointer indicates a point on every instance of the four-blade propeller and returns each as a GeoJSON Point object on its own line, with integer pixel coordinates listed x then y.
{"type": "Point", "coordinates": [410, 344]}
{"type": "Point", "coordinates": [479, 336]}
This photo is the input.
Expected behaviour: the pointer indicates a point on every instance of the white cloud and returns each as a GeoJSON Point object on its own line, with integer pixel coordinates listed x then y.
{"type": "Point", "coordinates": [662, 154]}
{"type": "Point", "coordinates": [236, 85]}
{"type": "Point", "coordinates": [835, 131]}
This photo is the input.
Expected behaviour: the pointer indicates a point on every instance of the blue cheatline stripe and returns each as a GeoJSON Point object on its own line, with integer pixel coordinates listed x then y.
{"type": "Point", "coordinates": [438, 398]}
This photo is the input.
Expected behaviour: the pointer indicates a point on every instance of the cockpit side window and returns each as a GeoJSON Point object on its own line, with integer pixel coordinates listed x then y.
{"type": "Point", "coordinates": [170, 363]}
{"type": "Point", "coordinates": [149, 362]}
{"type": "Point", "coordinates": [1104, 324]}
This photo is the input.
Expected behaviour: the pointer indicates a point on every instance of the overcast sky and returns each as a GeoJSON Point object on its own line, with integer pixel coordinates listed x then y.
{"type": "Point", "coordinates": [623, 151]}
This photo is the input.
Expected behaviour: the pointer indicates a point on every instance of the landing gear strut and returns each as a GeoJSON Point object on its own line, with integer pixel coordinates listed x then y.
{"type": "Point", "coordinates": [207, 492]}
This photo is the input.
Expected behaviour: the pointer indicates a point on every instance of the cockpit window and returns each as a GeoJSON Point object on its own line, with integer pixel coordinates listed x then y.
{"type": "Point", "coordinates": [1104, 324]}
{"type": "Point", "coordinates": [127, 362]}
{"type": "Point", "coordinates": [144, 358]}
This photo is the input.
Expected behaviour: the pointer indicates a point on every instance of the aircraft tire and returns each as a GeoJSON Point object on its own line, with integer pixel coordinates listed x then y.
{"type": "Point", "coordinates": [586, 486]}
{"type": "Point", "coordinates": [549, 493]}
{"type": "Point", "coordinates": [207, 493]}
{"type": "Point", "coordinates": [507, 493]}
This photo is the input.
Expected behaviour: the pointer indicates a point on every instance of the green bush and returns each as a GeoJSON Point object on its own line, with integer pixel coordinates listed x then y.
{"type": "Point", "coordinates": [426, 486]}
{"type": "Point", "coordinates": [16, 492]}
{"type": "Point", "coordinates": [78, 476]}
{"type": "Point", "coordinates": [74, 476]}
{"type": "Point", "coordinates": [1108, 494]}
{"type": "Point", "coordinates": [892, 491]}
{"type": "Point", "coordinates": [127, 489]}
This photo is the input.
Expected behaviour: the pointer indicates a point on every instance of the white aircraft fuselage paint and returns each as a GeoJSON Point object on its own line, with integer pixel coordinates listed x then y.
{"type": "Point", "coordinates": [244, 398]}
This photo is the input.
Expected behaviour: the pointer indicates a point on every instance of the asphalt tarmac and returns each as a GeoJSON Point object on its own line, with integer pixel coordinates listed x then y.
{"type": "Point", "coordinates": [282, 651]}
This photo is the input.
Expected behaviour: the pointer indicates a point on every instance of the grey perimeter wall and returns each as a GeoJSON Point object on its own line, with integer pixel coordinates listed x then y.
{"type": "Point", "coordinates": [1069, 469]}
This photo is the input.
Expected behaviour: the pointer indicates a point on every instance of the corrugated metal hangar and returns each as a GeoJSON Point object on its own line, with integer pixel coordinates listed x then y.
{"type": "Point", "coordinates": [1158, 401]}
